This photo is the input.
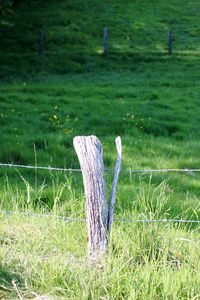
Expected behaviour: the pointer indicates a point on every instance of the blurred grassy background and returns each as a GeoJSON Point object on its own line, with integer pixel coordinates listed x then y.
{"type": "Point", "coordinates": [137, 91]}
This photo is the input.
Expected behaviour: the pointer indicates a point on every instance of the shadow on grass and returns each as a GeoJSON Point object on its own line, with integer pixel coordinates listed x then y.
{"type": "Point", "coordinates": [7, 276]}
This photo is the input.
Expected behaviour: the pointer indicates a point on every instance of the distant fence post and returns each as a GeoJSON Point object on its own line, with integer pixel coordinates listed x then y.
{"type": "Point", "coordinates": [170, 43]}
{"type": "Point", "coordinates": [41, 43]}
{"type": "Point", "coordinates": [99, 219]}
{"type": "Point", "coordinates": [105, 40]}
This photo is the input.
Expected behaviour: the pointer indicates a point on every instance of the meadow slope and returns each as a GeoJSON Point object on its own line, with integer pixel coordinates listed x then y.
{"type": "Point", "coordinates": [137, 91]}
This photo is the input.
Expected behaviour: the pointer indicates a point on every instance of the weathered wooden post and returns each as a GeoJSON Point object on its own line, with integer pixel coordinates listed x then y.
{"type": "Point", "coordinates": [89, 151]}
{"type": "Point", "coordinates": [114, 185]}
{"type": "Point", "coordinates": [41, 43]}
{"type": "Point", "coordinates": [170, 43]}
{"type": "Point", "coordinates": [105, 40]}
{"type": "Point", "coordinates": [99, 219]}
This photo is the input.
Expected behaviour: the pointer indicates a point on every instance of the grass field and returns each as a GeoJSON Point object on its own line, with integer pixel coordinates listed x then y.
{"type": "Point", "coordinates": [138, 92]}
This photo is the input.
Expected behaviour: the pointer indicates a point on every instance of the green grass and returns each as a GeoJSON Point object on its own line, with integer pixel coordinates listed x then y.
{"type": "Point", "coordinates": [73, 37]}
{"type": "Point", "coordinates": [138, 92]}
{"type": "Point", "coordinates": [47, 256]}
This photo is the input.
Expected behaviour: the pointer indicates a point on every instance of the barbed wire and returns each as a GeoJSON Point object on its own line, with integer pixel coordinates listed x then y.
{"type": "Point", "coordinates": [29, 214]}
{"type": "Point", "coordinates": [39, 167]}
{"type": "Point", "coordinates": [64, 218]}
{"type": "Point", "coordinates": [48, 168]}
{"type": "Point", "coordinates": [156, 221]}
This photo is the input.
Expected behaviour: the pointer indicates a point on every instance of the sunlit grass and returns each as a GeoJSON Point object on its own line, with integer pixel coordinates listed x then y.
{"type": "Point", "coordinates": [158, 122]}
{"type": "Point", "coordinates": [47, 256]}
{"type": "Point", "coordinates": [137, 91]}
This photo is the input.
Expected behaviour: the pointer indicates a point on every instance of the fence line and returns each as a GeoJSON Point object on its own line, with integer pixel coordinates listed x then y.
{"type": "Point", "coordinates": [4, 212]}
{"type": "Point", "coordinates": [39, 167]}
{"type": "Point", "coordinates": [166, 170]}
{"type": "Point", "coordinates": [26, 214]}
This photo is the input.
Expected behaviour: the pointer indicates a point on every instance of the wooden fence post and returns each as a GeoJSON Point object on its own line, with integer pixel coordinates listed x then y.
{"type": "Point", "coordinates": [99, 219]}
{"type": "Point", "coordinates": [105, 40]}
{"type": "Point", "coordinates": [114, 184]}
{"type": "Point", "coordinates": [89, 151]}
{"type": "Point", "coordinates": [170, 43]}
{"type": "Point", "coordinates": [41, 44]}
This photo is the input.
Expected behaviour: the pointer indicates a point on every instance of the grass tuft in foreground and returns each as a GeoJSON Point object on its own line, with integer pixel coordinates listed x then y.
{"type": "Point", "coordinates": [47, 256]}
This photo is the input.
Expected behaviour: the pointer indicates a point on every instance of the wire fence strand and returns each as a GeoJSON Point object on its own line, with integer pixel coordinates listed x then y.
{"type": "Point", "coordinates": [64, 218]}
{"type": "Point", "coordinates": [30, 214]}
{"type": "Point", "coordinates": [124, 220]}
{"type": "Point", "coordinates": [48, 168]}
{"type": "Point", "coordinates": [39, 167]}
